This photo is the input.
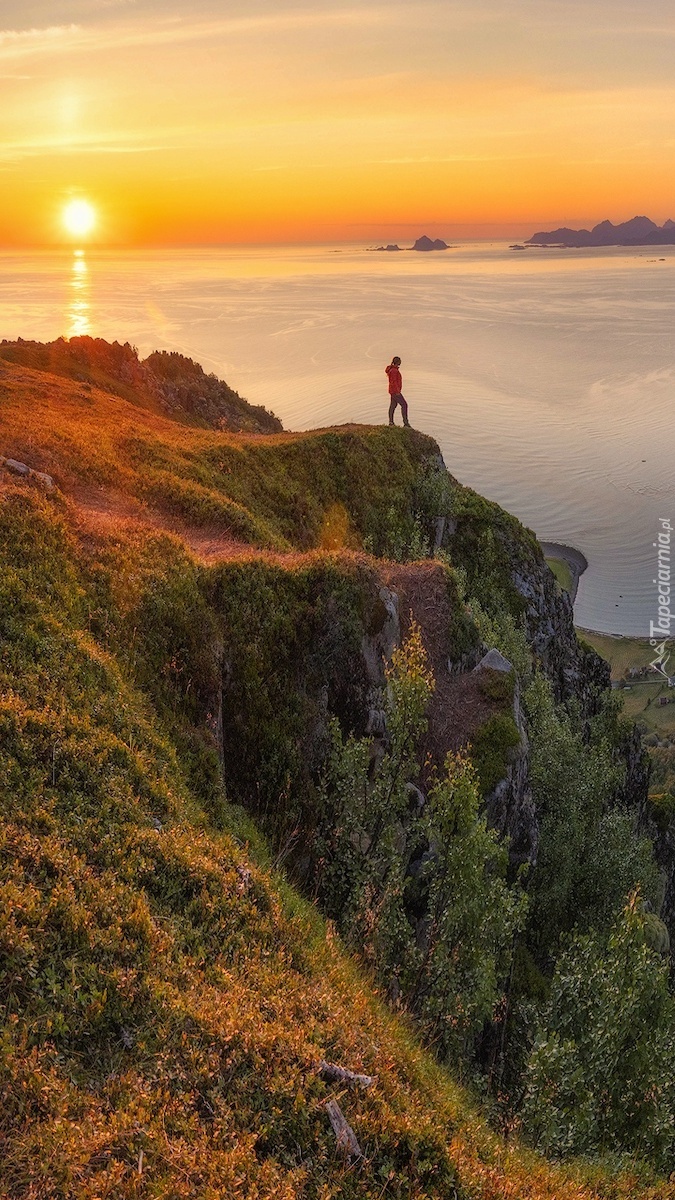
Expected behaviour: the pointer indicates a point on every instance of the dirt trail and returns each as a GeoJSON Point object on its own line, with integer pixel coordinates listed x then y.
{"type": "Point", "coordinates": [101, 510]}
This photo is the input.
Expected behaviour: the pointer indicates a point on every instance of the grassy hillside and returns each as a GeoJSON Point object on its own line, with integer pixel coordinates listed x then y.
{"type": "Point", "coordinates": [166, 996]}
{"type": "Point", "coordinates": [164, 382]}
{"type": "Point", "coordinates": [295, 491]}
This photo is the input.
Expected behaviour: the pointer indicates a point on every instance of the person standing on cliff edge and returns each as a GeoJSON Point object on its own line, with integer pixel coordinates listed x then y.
{"type": "Point", "coordinates": [395, 389]}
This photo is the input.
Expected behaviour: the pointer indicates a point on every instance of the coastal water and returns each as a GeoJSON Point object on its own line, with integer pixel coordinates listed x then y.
{"type": "Point", "coordinates": [547, 377]}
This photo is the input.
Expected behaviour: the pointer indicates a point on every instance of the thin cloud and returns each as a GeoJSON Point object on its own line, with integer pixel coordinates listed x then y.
{"type": "Point", "coordinates": [31, 38]}
{"type": "Point", "coordinates": [41, 147]}
{"type": "Point", "coordinates": [453, 158]}
{"type": "Point", "coordinates": [175, 31]}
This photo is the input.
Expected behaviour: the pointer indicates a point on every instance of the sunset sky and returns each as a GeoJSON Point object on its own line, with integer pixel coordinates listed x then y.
{"type": "Point", "coordinates": [262, 121]}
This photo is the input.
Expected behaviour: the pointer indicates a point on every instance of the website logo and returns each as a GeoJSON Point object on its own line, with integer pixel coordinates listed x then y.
{"type": "Point", "coordinates": [659, 630]}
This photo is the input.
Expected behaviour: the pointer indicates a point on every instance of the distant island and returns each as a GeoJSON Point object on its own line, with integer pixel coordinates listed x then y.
{"type": "Point", "coordinates": [427, 243]}
{"type": "Point", "coordinates": [640, 231]}
{"type": "Point", "coordinates": [423, 243]}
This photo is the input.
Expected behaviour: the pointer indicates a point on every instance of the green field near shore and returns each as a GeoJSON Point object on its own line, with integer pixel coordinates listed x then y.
{"type": "Point", "coordinates": [562, 572]}
{"type": "Point", "coordinates": [621, 653]}
{"type": "Point", "coordinates": [641, 698]}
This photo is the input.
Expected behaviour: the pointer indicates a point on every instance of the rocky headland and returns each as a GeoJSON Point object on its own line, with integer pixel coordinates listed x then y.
{"type": "Point", "coordinates": [309, 790]}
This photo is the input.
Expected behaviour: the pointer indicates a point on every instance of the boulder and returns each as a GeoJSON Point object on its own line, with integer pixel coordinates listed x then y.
{"type": "Point", "coordinates": [494, 661]}
{"type": "Point", "coordinates": [17, 468]}
{"type": "Point", "coordinates": [43, 478]}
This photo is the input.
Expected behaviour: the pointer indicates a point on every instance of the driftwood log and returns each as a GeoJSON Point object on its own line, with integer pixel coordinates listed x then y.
{"type": "Point", "coordinates": [331, 1073]}
{"type": "Point", "coordinates": [346, 1138]}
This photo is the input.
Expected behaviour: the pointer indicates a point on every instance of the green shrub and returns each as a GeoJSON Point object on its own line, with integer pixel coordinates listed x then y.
{"type": "Point", "coordinates": [454, 973]}
{"type": "Point", "coordinates": [599, 1077]}
{"type": "Point", "coordinates": [489, 544]}
{"type": "Point", "coordinates": [491, 749]}
{"type": "Point", "coordinates": [590, 855]}
{"type": "Point", "coordinates": [506, 634]}
{"type": "Point", "coordinates": [497, 685]}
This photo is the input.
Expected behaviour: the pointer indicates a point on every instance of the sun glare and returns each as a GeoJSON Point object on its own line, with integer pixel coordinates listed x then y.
{"type": "Point", "coordinates": [79, 217]}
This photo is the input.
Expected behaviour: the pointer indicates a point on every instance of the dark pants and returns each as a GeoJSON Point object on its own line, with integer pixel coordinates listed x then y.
{"type": "Point", "coordinates": [395, 400]}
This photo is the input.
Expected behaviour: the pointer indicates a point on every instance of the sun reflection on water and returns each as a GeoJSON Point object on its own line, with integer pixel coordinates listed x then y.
{"type": "Point", "coordinates": [79, 322]}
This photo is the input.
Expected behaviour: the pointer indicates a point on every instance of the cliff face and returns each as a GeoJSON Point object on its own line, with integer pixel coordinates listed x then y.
{"type": "Point", "coordinates": [323, 648]}
{"type": "Point", "coordinates": [505, 564]}
{"type": "Point", "coordinates": [510, 807]}
{"type": "Point", "coordinates": [504, 570]}
{"type": "Point", "coordinates": [663, 838]}
{"type": "Point", "coordinates": [576, 672]}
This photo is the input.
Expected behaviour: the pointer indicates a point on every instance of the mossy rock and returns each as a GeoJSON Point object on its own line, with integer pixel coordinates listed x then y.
{"type": "Point", "coordinates": [497, 685]}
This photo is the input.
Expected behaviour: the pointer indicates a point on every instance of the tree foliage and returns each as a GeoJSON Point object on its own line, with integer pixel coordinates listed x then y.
{"type": "Point", "coordinates": [600, 1074]}
{"type": "Point", "coordinates": [590, 856]}
{"type": "Point", "coordinates": [455, 970]}
{"type": "Point", "coordinates": [421, 891]}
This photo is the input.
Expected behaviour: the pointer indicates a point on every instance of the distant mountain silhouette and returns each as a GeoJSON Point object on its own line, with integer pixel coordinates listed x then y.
{"type": "Point", "coordinates": [639, 231]}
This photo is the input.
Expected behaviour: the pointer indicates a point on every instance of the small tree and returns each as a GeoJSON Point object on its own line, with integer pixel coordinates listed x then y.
{"type": "Point", "coordinates": [361, 847]}
{"type": "Point", "coordinates": [423, 895]}
{"type": "Point", "coordinates": [453, 976]}
{"type": "Point", "coordinates": [590, 856]}
{"type": "Point", "coordinates": [600, 1075]}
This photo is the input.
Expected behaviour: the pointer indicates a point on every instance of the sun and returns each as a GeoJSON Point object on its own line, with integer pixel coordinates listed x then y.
{"type": "Point", "coordinates": [79, 217]}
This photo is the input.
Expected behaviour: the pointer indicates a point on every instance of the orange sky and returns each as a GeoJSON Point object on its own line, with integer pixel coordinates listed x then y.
{"type": "Point", "coordinates": [261, 122]}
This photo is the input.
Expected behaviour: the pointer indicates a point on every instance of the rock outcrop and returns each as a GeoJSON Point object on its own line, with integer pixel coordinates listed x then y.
{"type": "Point", "coordinates": [20, 468]}
{"type": "Point", "coordinates": [510, 807]}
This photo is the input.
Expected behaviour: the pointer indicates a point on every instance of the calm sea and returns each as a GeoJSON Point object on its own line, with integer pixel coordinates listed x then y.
{"type": "Point", "coordinates": [547, 377]}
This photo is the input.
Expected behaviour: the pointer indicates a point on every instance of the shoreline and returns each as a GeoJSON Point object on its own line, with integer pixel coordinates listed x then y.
{"type": "Point", "coordinates": [576, 561]}
{"type": "Point", "coordinates": [620, 637]}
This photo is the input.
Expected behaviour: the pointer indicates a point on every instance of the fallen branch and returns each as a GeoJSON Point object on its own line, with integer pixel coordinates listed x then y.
{"type": "Point", "coordinates": [331, 1073]}
{"type": "Point", "coordinates": [346, 1138]}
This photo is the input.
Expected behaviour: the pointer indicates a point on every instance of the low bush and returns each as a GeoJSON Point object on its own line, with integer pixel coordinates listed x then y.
{"type": "Point", "coordinates": [492, 746]}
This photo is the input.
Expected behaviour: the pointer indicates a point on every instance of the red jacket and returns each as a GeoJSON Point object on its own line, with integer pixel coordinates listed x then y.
{"type": "Point", "coordinates": [395, 381]}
